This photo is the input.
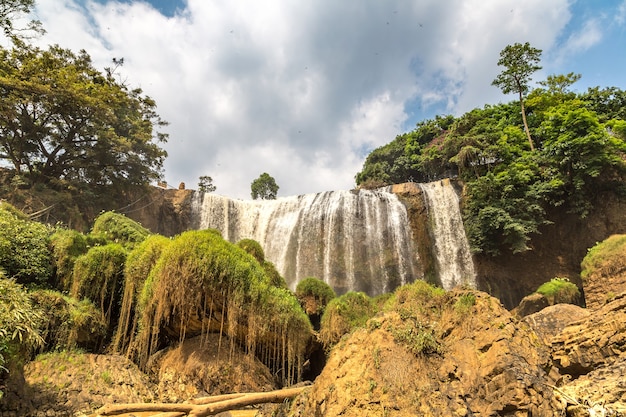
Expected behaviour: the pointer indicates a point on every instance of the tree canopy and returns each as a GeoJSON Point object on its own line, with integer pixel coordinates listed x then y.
{"type": "Point", "coordinates": [61, 119]}
{"type": "Point", "coordinates": [510, 189]}
{"type": "Point", "coordinates": [264, 187]}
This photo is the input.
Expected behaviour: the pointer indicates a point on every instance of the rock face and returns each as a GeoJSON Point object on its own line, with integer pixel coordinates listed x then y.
{"type": "Point", "coordinates": [593, 341]}
{"type": "Point", "coordinates": [167, 212]}
{"type": "Point", "coordinates": [604, 271]}
{"type": "Point", "coordinates": [550, 321]}
{"type": "Point", "coordinates": [487, 365]}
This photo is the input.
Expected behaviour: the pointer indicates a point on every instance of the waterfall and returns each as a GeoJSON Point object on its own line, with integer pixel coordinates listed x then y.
{"type": "Point", "coordinates": [453, 257]}
{"type": "Point", "coordinates": [353, 240]}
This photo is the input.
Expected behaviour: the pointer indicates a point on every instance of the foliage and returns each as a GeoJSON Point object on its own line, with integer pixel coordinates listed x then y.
{"type": "Point", "coordinates": [510, 189]}
{"type": "Point", "coordinates": [66, 246]}
{"type": "Point", "coordinates": [318, 290]}
{"type": "Point", "coordinates": [344, 314]}
{"type": "Point", "coordinates": [253, 248]}
{"type": "Point", "coordinates": [201, 275]}
{"type": "Point", "coordinates": [605, 257]}
{"type": "Point", "coordinates": [264, 187]}
{"type": "Point", "coordinates": [137, 269]}
{"type": "Point", "coordinates": [19, 324]}
{"type": "Point", "coordinates": [63, 122]}
{"type": "Point", "coordinates": [118, 228]}
{"type": "Point", "coordinates": [560, 290]}
{"type": "Point", "coordinates": [99, 276]}
{"type": "Point", "coordinates": [11, 11]}
{"type": "Point", "coordinates": [464, 303]}
{"type": "Point", "coordinates": [274, 276]}
{"type": "Point", "coordinates": [24, 253]}
{"type": "Point", "coordinates": [69, 323]}
{"type": "Point", "coordinates": [205, 184]}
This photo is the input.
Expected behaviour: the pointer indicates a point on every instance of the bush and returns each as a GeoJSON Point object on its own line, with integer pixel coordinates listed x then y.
{"type": "Point", "coordinates": [119, 229]}
{"type": "Point", "coordinates": [69, 323]}
{"type": "Point", "coordinates": [317, 290]}
{"type": "Point", "coordinates": [67, 245]}
{"type": "Point", "coordinates": [99, 276]}
{"type": "Point", "coordinates": [605, 258]}
{"type": "Point", "coordinates": [560, 290]}
{"type": "Point", "coordinates": [19, 325]}
{"type": "Point", "coordinates": [24, 252]}
{"type": "Point", "coordinates": [343, 314]}
{"type": "Point", "coordinates": [253, 248]}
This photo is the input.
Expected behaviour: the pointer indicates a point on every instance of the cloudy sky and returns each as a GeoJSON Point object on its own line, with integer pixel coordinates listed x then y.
{"type": "Point", "coordinates": [304, 89]}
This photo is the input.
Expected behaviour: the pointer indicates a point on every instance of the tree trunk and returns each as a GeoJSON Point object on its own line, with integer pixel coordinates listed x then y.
{"type": "Point", "coordinates": [204, 406]}
{"type": "Point", "coordinates": [521, 102]}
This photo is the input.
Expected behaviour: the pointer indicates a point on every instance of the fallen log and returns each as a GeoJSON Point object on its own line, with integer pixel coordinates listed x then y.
{"type": "Point", "coordinates": [205, 406]}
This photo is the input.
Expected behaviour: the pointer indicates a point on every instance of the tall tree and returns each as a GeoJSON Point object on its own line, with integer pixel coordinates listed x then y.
{"type": "Point", "coordinates": [520, 62]}
{"type": "Point", "coordinates": [264, 187]}
{"type": "Point", "coordinates": [62, 119]}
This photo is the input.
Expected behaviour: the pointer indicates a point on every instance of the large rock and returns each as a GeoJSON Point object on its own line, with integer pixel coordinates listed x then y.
{"type": "Point", "coordinates": [604, 271]}
{"type": "Point", "coordinates": [593, 341]}
{"type": "Point", "coordinates": [480, 362]}
{"type": "Point", "coordinates": [551, 320]}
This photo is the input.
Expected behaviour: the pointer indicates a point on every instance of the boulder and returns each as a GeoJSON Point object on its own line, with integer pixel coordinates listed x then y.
{"type": "Point", "coordinates": [531, 304]}
{"type": "Point", "coordinates": [593, 341]}
{"type": "Point", "coordinates": [551, 320]}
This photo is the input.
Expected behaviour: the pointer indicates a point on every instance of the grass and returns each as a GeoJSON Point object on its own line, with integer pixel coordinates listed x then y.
{"type": "Point", "coordinates": [559, 290]}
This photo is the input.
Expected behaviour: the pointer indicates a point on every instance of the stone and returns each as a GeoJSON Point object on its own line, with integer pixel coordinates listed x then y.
{"type": "Point", "coordinates": [551, 320]}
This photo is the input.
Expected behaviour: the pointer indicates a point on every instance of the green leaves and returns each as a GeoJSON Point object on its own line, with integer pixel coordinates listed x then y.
{"type": "Point", "coordinates": [264, 187]}
{"type": "Point", "coordinates": [520, 61]}
{"type": "Point", "coordinates": [62, 119]}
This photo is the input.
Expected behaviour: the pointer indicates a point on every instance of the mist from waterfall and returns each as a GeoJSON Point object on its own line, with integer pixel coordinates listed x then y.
{"type": "Point", "coordinates": [453, 256]}
{"type": "Point", "coordinates": [352, 240]}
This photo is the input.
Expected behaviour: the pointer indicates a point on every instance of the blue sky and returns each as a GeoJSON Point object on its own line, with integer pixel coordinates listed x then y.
{"type": "Point", "coordinates": [303, 89]}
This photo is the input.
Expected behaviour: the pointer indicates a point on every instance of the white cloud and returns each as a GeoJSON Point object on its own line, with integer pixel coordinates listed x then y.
{"type": "Point", "coordinates": [299, 89]}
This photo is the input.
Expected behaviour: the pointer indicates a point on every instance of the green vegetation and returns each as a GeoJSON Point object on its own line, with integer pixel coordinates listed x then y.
{"type": "Point", "coordinates": [20, 321]}
{"type": "Point", "coordinates": [24, 252]}
{"type": "Point", "coordinates": [253, 248]}
{"type": "Point", "coordinates": [560, 290]}
{"type": "Point", "coordinates": [264, 187]}
{"type": "Point", "coordinates": [205, 184]}
{"type": "Point", "coordinates": [318, 290]}
{"type": "Point", "coordinates": [605, 258]}
{"type": "Point", "coordinates": [115, 227]}
{"type": "Point", "coordinates": [344, 314]}
{"type": "Point", "coordinates": [67, 245]}
{"type": "Point", "coordinates": [578, 153]}
{"type": "Point", "coordinates": [464, 303]}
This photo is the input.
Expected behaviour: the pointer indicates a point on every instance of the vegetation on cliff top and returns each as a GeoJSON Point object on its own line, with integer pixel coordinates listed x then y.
{"type": "Point", "coordinates": [579, 153]}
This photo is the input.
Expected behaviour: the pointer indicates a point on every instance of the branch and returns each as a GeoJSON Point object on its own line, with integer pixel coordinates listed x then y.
{"type": "Point", "coordinates": [205, 406]}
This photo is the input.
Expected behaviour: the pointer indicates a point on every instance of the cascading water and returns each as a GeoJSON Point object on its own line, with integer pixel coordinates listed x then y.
{"type": "Point", "coordinates": [353, 240]}
{"type": "Point", "coordinates": [453, 257]}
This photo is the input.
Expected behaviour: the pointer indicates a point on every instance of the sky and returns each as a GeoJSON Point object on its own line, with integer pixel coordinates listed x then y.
{"type": "Point", "coordinates": [305, 89]}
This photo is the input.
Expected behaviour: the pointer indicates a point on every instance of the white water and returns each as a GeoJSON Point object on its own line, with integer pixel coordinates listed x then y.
{"type": "Point", "coordinates": [453, 257]}
{"type": "Point", "coordinates": [353, 240]}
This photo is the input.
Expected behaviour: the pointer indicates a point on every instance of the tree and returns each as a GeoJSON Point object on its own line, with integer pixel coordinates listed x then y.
{"type": "Point", "coordinates": [61, 119]}
{"type": "Point", "coordinates": [264, 187]}
{"type": "Point", "coordinates": [10, 12]}
{"type": "Point", "coordinates": [520, 61]}
{"type": "Point", "coordinates": [205, 185]}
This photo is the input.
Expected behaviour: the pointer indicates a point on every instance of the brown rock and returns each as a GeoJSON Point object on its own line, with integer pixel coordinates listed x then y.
{"type": "Point", "coordinates": [604, 276]}
{"type": "Point", "coordinates": [550, 321]}
{"type": "Point", "coordinates": [487, 365]}
{"type": "Point", "coordinates": [594, 341]}
{"type": "Point", "coordinates": [531, 304]}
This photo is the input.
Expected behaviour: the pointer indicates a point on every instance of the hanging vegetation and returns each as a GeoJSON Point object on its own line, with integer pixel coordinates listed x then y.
{"type": "Point", "coordinates": [139, 263]}
{"type": "Point", "coordinates": [201, 283]}
{"type": "Point", "coordinates": [98, 276]}
{"type": "Point", "coordinates": [66, 245]}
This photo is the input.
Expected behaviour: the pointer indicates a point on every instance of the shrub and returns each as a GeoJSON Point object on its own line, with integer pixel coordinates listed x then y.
{"type": "Point", "coordinates": [317, 290]}
{"type": "Point", "coordinates": [24, 252]}
{"type": "Point", "coordinates": [272, 273]}
{"type": "Point", "coordinates": [559, 290]}
{"type": "Point", "coordinates": [343, 314]}
{"type": "Point", "coordinates": [253, 248]}
{"type": "Point", "coordinates": [98, 275]}
{"type": "Point", "coordinates": [19, 325]}
{"type": "Point", "coordinates": [605, 258]}
{"type": "Point", "coordinates": [69, 323]}
{"type": "Point", "coordinates": [66, 245]}
{"type": "Point", "coordinates": [119, 229]}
